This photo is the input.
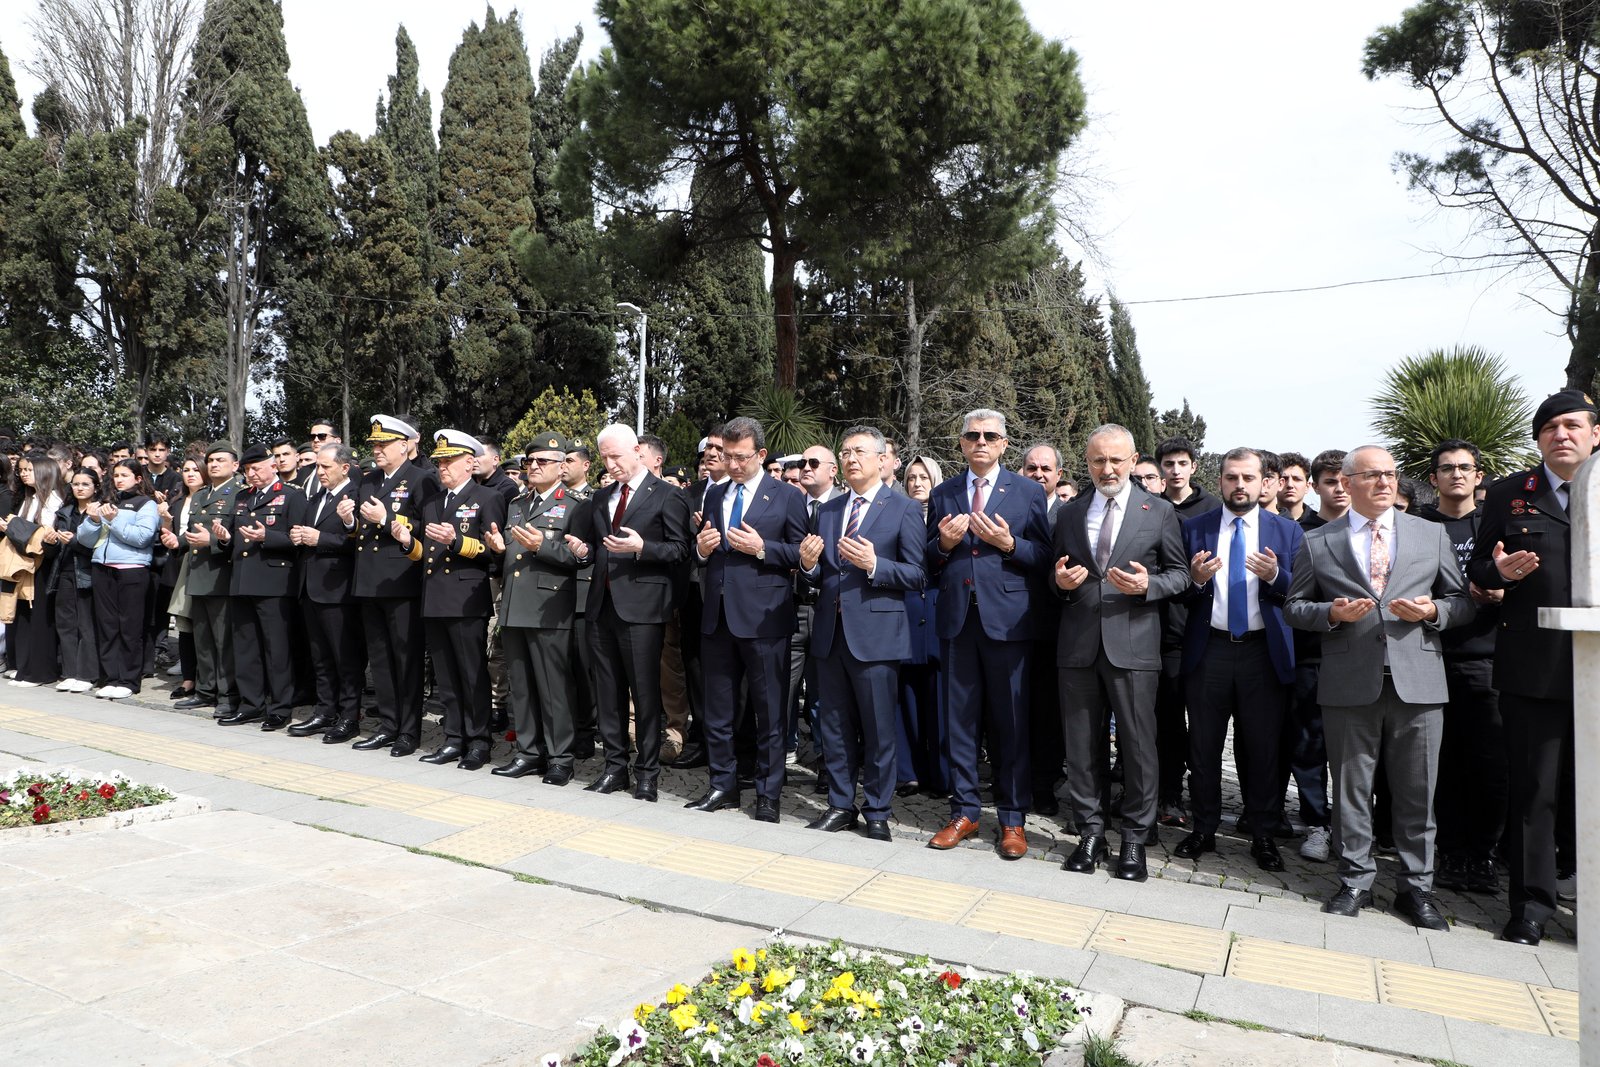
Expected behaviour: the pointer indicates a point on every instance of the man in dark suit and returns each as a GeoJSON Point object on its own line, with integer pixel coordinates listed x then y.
{"type": "Point", "coordinates": [388, 584]}
{"type": "Point", "coordinates": [575, 484]}
{"type": "Point", "coordinates": [210, 574]}
{"type": "Point", "coordinates": [638, 533]}
{"type": "Point", "coordinates": [749, 544]}
{"type": "Point", "coordinates": [262, 587]}
{"type": "Point", "coordinates": [333, 620]}
{"type": "Point", "coordinates": [1238, 655]}
{"type": "Point", "coordinates": [866, 552]}
{"type": "Point", "coordinates": [691, 604]}
{"type": "Point", "coordinates": [456, 601]}
{"type": "Point", "coordinates": [1042, 463]}
{"type": "Point", "coordinates": [537, 609]}
{"type": "Point", "coordinates": [1524, 546]}
{"type": "Point", "coordinates": [1379, 585]}
{"type": "Point", "coordinates": [1119, 554]}
{"type": "Point", "coordinates": [987, 534]}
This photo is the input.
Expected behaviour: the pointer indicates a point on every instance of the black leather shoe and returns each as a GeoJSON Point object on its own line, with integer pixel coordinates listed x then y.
{"type": "Point", "coordinates": [1422, 909]}
{"type": "Point", "coordinates": [833, 820]}
{"type": "Point", "coordinates": [314, 725]}
{"type": "Point", "coordinates": [1482, 877]}
{"type": "Point", "coordinates": [340, 732]}
{"type": "Point", "coordinates": [1196, 843]}
{"type": "Point", "coordinates": [185, 703]}
{"type": "Point", "coordinates": [1522, 932]}
{"type": "Point", "coordinates": [222, 711]}
{"type": "Point", "coordinates": [1091, 850]}
{"type": "Point", "coordinates": [557, 776]}
{"type": "Point", "coordinates": [1451, 873]}
{"type": "Point", "coordinates": [1265, 850]}
{"type": "Point", "coordinates": [476, 757]}
{"type": "Point", "coordinates": [766, 810]}
{"type": "Point", "coordinates": [583, 748]}
{"type": "Point", "coordinates": [402, 748]}
{"type": "Point", "coordinates": [520, 766]}
{"type": "Point", "coordinates": [608, 783]}
{"type": "Point", "coordinates": [376, 741]}
{"type": "Point", "coordinates": [645, 791]}
{"type": "Point", "coordinates": [691, 757]}
{"type": "Point", "coordinates": [746, 781]}
{"type": "Point", "coordinates": [878, 830]}
{"type": "Point", "coordinates": [1130, 865]}
{"type": "Point", "coordinates": [443, 754]}
{"type": "Point", "coordinates": [908, 789]}
{"type": "Point", "coordinates": [715, 800]}
{"type": "Point", "coordinates": [274, 722]}
{"type": "Point", "coordinates": [180, 693]}
{"type": "Point", "coordinates": [239, 718]}
{"type": "Point", "coordinates": [1348, 901]}
{"type": "Point", "coordinates": [1046, 806]}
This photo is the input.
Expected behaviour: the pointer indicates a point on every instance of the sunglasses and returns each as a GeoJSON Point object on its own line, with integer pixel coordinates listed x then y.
{"type": "Point", "coordinates": [539, 461]}
{"type": "Point", "coordinates": [972, 437]}
{"type": "Point", "coordinates": [321, 436]}
{"type": "Point", "coordinates": [813, 462]}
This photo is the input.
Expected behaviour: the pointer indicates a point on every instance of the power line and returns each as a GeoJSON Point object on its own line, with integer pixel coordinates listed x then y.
{"type": "Point", "coordinates": [1314, 288]}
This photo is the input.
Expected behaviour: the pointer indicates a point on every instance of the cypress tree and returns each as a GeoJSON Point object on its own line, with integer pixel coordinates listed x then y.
{"type": "Point", "coordinates": [1128, 402]}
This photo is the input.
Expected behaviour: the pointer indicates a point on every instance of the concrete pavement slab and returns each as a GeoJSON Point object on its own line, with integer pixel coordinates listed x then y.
{"type": "Point", "coordinates": [525, 909]}
{"type": "Point", "coordinates": [1143, 983]}
{"type": "Point", "coordinates": [288, 912]}
{"type": "Point", "coordinates": [1560, 965]}
{"type": "Point", "coordinates": [110, 849]}
{"type": "Point", "coordinates": [1290, 1010]}
{"type": "Point", "coordinates": [78, 1035]}
{"type": "Point", "coordinates": [1484, 956]}
{"type": "Point", "coordinates": [531, 986]}
{"type": "Point", "coordinates": [181, 880]}
{"type": "Point", "coordinates": [1006, 953]}
{"type": "Point", "coordinates": [1398, 1030]}
{"type": "Point", "coordinates": [1158, 1040]}
{"type": "Point", "coordinates": [1483, 1045]}
{"type": "Point", "coordinates": [1294, 928]}
{"type": "Point", "coordinates": [410, 950]}
{"type": "Point", "coordinates": [47, 906]}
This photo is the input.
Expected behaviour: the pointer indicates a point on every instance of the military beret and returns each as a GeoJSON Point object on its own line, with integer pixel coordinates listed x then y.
{"type": "Point", "coordinates": [222, 446]}
{"type": "Point", "coordinates": [1562, 403]}
{"type": "Point", "coordinates": [255, 454]}
{"type": "Point", "coordinates": [545, 441]}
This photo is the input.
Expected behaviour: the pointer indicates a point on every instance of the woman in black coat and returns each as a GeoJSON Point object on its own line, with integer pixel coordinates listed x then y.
{"type": "Point", "coordinates": [74, 589]}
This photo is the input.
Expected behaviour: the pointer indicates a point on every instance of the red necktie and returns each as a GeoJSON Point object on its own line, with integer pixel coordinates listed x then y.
{"type": "Point", "coordinates": [622, 508]}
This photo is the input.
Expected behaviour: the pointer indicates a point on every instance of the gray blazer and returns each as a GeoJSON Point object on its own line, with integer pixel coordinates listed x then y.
{"type": "Point", "coordinates": [1422, 563]}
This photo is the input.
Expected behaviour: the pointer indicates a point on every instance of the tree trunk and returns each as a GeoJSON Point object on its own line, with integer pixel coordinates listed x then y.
{"type": "Point", "coordinates": [1583, 322]}
{"type": "Point", "coordinates": [911, 372]}
{"type": "Point", "coordinates": [784, 260]}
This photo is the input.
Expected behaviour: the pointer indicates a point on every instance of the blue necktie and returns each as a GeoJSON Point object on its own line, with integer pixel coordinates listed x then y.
{"type": "Point", "coordinates": [738, 514]}
{"type": "Point", "coordinates": [854, 524]}
{"type": "Point", "coordinates": [1238, 604]}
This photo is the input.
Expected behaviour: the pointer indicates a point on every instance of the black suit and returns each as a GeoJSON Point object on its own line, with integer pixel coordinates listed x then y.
{"type": "Point", "coordinates": [1533, 672]}
{"type": "Point", "coordinates": [630, 601]}
{"type": "Point", "coordinates": [262, 587]}
{"type": "Point", "coordinates": [333, 619]}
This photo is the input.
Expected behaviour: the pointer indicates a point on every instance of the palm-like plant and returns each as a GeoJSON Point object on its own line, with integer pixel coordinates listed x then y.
{"type": "Point", "coordinates": [790, 423]}
{"type": "Point", "coordinates": [1462, 392]}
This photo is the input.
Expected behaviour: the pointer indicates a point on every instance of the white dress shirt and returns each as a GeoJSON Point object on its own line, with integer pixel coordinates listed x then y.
{"type": "Point", "coordinates": [732, 492]}
{"type": "Point", "coordinates": [633, 487]}
{"type": "Point", "coordinates": [1252, 584]}
{"type": "Point", "coordinates": [322, 501]}
{"type": "Point", "coordinates": [850, 494]}
{"type": "Point", "coordinates": [1097, 517]}
{"type": "Point", "coordinates": [988, 489]}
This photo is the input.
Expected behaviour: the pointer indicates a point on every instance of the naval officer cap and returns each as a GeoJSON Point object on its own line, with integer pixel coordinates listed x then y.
{"type": "Point", "coordinates": [389, 428]}
{"type": "Point", "coordinates": [1562, 403]}
{"type": "Point", "coordinates": [545, 441]}
{"type": "Point", "coordinates": [448, 444]}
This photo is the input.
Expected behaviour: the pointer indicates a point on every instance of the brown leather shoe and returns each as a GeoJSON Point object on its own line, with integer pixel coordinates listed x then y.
{"type": "Point", "coordinates": [1013, 843]}
{"type": "Point", "coordinates": [956, 831]}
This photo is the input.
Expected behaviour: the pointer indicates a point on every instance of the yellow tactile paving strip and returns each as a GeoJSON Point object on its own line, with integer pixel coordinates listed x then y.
{"type": "Point", "coordinates": [495, 832]}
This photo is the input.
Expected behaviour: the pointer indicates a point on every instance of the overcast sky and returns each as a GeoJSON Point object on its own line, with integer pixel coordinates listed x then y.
{"type": "Point", "coordinates": [1236, 148]}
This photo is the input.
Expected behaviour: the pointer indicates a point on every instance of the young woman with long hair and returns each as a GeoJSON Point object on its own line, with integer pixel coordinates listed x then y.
{"type": "Point", "coordinates": [74, 588]}
{"type": "Point", "coordinates": [172, 587]}
{"type": "Point", "coordinates": [31, 529]}
{"type": "Point", "coordinates": [120, 531]}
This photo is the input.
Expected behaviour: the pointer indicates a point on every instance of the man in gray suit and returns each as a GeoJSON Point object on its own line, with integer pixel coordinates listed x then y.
{"type": "Point", "coordinates": [537, 608]}
{"type": "Point", "coordinates": [1378, 585]}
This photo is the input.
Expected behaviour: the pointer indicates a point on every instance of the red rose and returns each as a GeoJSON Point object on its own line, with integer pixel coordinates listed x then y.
{"type": "Point", "coordinates": [107, 790]}
{"type": "Point", "coordinates": [41, 813]}
{"type": "Point", "coordinates": [951, 979]}
{"type": "Point", "coordinates": [511, 735]}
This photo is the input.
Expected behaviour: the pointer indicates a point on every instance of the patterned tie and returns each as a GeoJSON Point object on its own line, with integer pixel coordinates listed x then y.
{"type": "Point", "coordinates": [737, 517]}
{"type": "Point", "coordinates": [622, 508]}
{"type": "Point", "coordinates": [1238, 605]}
{"type": "Point", "coordinates": [977, 494]}
{"type": "Point", "coordinates": [1102, 547]}
{"type": "Point", "coordinates": [854, 525]}
{"type": "Point", "coordinates": [1379, 571]}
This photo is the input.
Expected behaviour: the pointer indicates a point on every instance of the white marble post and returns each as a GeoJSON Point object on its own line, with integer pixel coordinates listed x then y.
{"type": "Point", "coordinates": [1583, 621]}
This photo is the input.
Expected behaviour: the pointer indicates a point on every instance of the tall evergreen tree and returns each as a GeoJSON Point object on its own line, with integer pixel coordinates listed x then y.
{"type": "Point", "coordinates": [486, 195]}
{"type": "Point", "coordinates": [1128, 401]}
{"type": "Point", "coordinates": [255, 181]}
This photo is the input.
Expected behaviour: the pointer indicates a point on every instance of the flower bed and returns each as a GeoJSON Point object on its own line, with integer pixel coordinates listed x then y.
{"type": "Point", "coordinates": [41, 798]}
{"type": "Point", "coordinates": [798, 1004]}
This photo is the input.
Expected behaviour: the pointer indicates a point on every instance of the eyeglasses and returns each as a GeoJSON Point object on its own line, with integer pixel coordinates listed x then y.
{"type": "Point", "coordinates": [972, 437]}
{"type": "Point", "coordinates": [740, 457]}
{"type": "Point", "coordinates": [1377, 476]}
{"type": "Point", "coordinates": [1448, 469]}
{"type": "Point", "coordinates": [848, 453]}
{"type": "Point", "coordinates": [1151, 477]}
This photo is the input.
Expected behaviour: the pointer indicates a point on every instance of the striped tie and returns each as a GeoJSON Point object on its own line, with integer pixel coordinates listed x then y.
{"type": "Point", "coordinates": [854, 525]}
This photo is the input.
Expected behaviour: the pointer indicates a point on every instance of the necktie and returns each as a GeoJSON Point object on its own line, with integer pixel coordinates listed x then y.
{"type": "Point", "coordinates": [854, 525]}
{"type": "Point", "coordinates": [1102, 546]}
{"type": "Point", "coordinates": [622, 509]}
{"type": "Point", "coordinates": [977, 493]}
{"type": "Point", "coordinates": [1379, 571]}
{"type": "Point", "coordinates": [1238, 605]}
{"type": "Point", "coordinates": [811, 521]}
{"type": "Point", "coordinates": [321, 500]}
{"type": "Point", "coordinates": [738, 514]}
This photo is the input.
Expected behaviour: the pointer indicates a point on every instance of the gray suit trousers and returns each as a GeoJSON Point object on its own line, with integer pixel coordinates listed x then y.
{"type": "Point", "coordinates": [539, 665]}
{"type": "Point", "coordinates": [1089, 695]}
{"type": "Point", "coordinates": [1408, 735]}
{"type": "Point", "coordinates": [212, 620]}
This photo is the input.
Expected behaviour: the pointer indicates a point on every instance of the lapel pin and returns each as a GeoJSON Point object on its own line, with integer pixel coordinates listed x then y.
{"type": "Point", "coordinates": [1144, 507]}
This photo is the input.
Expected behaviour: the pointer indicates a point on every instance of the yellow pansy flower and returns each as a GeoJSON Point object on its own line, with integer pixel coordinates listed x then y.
{"type": "Point", "coordinates": [741, 992]}
{"type": "Point", "coordinates": [643, 1012]}
{"type": "Point", "coordinates": [777, 978]}
{"type": "Point", "coordinates": [678, 994]}
{"type": "Point", "coordinates": [799, 1023]}
{"type": "Point", "coordinates": [683, 1016]}
{"type": "Point", "coordinates": [743, 961]}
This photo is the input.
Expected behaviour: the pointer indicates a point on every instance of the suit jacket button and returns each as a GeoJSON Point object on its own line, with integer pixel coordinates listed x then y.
{"type": "Point", "coordinates": [974, 552]}
{"type": "Point", "coordinates": [430, 570]}
{"type": "Point", "coordinates": [447, 570]}
{"type": "Point", "coordinates": [516, 574]}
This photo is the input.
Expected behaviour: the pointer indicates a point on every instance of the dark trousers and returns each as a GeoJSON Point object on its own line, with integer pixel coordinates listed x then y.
{"type": "Point", "coordinates": [1173, 744]}
{"type": "Point", "coordinates": [584, 685]}
{"type": "Point", "coordinates": [1089, 697]}
{"type": "Point", "coordinates": [338, 657]}
{"type": "Point", "coordinates": [459, 650]}
{"type": "Point", "coordinates": [690, 612]}
{"type": "Point", "coordinates": [80, 649]}
{"type": "Point", "coordinates": [1235, 681]}
{"type": "Point", "coordinates": [1538, 738]}
{"type": "Point", "coordinates": [856, 723]}
{"type": "Point", "coordinates": [986, 690]}
{"type": "Point", "coordinates": [394, 650]}
{"type": "Point", "coordinates": [186, 656]}
{"type": "Point", "coordinates": [923, 752]}
{"type": "Point", "coordinates": [35, 634]}
{"type": "Point", "coordinates": [261, 660]}
{"type": "Point", "coordinates": [1303, 750]}
{"type": "Point", "coordinates": [539, 670]}
{"type": "Point", "coordinates": [627, 660]}
{"type": "Point", "coordinates": [762, 665]}
{"type": "Point", "coordinates": [119, 595]}
{"type": "Point", "coordinates": [1045, 750]}
{"type": "Point", "coordinates": [801, 701]}
{"type": "Point", "coordinates": [1470, 801]}
{"type": "Point", "coordinates": [212, 620]}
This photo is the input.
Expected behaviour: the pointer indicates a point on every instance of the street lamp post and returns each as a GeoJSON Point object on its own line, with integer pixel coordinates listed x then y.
{"type": "Point", "coordinates": [644, 334]}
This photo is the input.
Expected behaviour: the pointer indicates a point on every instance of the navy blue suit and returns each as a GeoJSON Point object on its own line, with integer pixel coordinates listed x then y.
{"type": "Point", "coordinates": [745, 624]}
{"type": "Point", "coordinates": [859, 635]}
{"type": "Point", "coordinates": [1247, 680]}
{"type": "Point", "coordinates": [986, 632]}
